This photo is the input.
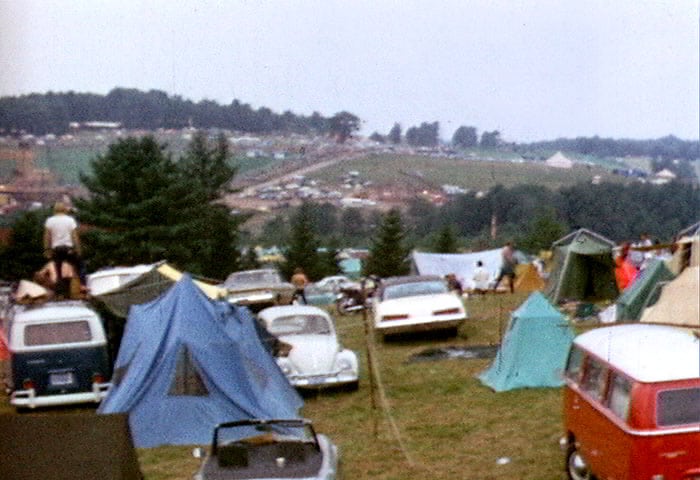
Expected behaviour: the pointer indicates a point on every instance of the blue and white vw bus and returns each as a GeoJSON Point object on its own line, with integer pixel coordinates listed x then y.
{"type": "Point", "coordinates": [58, 355]}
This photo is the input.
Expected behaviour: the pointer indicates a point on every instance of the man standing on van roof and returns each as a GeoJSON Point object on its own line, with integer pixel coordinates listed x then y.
{"type": "Point", "coordinates": [61, 241]}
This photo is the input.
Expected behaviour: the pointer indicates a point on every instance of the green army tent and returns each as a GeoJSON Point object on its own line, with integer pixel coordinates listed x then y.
{"type": "Point", "coordinates": [642, 292]}
{"type": "Point", "coordinates": [583, 268]}
{"type": "Point", "coordinates": [534, 348]}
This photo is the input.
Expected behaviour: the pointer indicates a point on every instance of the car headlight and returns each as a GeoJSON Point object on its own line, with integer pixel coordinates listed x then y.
{"type": "Point", "coordinates": [344, 364]}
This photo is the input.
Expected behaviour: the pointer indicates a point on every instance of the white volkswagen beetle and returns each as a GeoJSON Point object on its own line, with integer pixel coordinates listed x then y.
{"type": "Point", "coordinates": [316, 359]}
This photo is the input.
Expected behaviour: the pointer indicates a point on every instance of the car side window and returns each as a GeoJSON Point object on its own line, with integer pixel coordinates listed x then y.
{"type": "Point", "coordinates": [678, 407]}
{"type": "Point", "coordinates": [619, 396]}
{"type": "Point", "coordinates": [574, 364]}
{"type": "Point", "coordinates": [594, 379]}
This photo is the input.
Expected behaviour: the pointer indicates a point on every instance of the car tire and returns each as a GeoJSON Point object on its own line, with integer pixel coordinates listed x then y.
{"type": "Point", "coordinates": [353, 386]}
{"type": "Point", "coordinates": [576, 466]}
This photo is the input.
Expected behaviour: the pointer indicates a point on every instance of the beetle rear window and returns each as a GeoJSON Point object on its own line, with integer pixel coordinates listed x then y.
{"type": "Point", "coordinates": [678, 407]}
{"type": "Point", "coordinates": [57, 333]}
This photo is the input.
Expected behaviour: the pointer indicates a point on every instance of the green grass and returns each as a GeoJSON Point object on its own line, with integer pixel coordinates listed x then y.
{"type": "Point", "coordinates": [450, 425]}
{"type": "Point", "coordinates": [475, 175]}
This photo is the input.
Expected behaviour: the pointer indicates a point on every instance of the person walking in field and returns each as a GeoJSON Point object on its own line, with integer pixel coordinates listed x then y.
{"type": "Point", "coordinates": [507, 267]}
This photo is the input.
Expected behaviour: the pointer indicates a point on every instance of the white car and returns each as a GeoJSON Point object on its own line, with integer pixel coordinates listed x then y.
{"type": "Point", "coordinates": [332, 283]}
{"type": "Point", "coordinates": [316, 359]}
{"type": "Point", "coordinates": [415, 304]}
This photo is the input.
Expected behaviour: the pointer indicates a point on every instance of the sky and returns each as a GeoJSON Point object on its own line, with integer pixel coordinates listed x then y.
{"type": "Point", "coordinates": [533, 70]}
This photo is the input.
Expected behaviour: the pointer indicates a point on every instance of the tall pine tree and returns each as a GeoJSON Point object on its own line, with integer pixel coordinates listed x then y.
{"type": "Point", "coordinates": [388, 255]}
{"type": "Point", "coordinates": [144, 207]}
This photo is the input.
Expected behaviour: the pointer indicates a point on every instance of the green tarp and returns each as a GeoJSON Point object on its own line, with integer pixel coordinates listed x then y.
{"type": "Point", "coordinates": [583, 269]}
{"type": "Point", "coordinates": [534, 348]}
{"type": "Point", "coordinates": [643, 292]}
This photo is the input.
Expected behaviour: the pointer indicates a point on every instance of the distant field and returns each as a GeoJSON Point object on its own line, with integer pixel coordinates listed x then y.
{"type": "Point", "coordinates": [480, 173]}
{"type": "Point", "coordinates": [451, 426]}
{"type": "Point", "coordinates": [470, 174]}
{"type": "Point", "coordinates": [68, 162]}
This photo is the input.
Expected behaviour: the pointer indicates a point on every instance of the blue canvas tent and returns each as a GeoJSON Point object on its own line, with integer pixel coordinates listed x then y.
{"type": "Point", "coordinates": [534, 348]}
{"type": "Point", "coordinates": [187, 363]}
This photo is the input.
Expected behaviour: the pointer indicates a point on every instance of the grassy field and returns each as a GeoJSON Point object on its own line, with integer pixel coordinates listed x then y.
{"type": "Point", "coordinates": [474, 175]}
{"type": "Point", "coordinates": [482, 172]}
{"type": "Point", "coordinates": [449, 425]}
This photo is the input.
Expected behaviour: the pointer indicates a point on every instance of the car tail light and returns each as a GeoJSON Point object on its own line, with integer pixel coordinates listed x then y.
{"type": "Point", "coordinates": [447, 311]}
{"type": "Point", "coordinates": [98, 378]}
{"type": "Point", "coordinates": [28, 384]}
{"type": "Point", "coordinates": [402, 316]}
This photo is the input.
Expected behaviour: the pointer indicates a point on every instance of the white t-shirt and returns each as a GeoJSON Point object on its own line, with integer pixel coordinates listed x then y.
{"type": "Point", "coordinates": [481, 278]}
{"type": "Point", "coordinates": [61, 226]}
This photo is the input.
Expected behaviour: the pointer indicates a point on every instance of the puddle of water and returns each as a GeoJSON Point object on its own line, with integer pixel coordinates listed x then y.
{"type": "Point", "coordinates": [446, 353]}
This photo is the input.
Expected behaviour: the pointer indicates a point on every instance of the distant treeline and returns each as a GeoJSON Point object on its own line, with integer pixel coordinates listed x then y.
{"type": "Point", "coordinates": [40, 114]}
{"type": "Point", "coordinates": [665, 148]}
{"type": "Point", "coordinates": [532, 216]}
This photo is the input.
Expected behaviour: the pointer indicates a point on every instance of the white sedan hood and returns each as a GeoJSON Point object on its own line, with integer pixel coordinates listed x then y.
{"type": "Point", "coordinates": [312, 354]}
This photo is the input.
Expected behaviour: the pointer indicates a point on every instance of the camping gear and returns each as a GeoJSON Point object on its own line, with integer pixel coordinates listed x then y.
{"type": "Point", "coordinates": [642, 292]}
{"type": "Point", "coordinates": [188, 363]}
{"type": "Point", "coordinates": [66, 447]}
{"type": "Point", "coordinates": [583, 268]}
{"type": "Point", "coordinates": [147, 286]}
{"type": "Point", "coordinates": [534, 348]}
{"type": "Point", "coordinates": [679, 302]}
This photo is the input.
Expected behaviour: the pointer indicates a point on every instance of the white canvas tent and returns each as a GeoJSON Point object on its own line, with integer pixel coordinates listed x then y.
{"type": "Point", "coordinates": [679, 301]}
{"type": "Point", "coordinates": [461, 264]}
{"type": "Point", "coordinates": [559, 160]}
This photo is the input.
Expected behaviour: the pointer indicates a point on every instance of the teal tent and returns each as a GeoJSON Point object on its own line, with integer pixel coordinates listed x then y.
{"type": "Point", "coordinates": [534, 348]}
{"type": "Point", "coordinates": [643, 292]}
{"type": "Point", "coordinates": [583, 268]}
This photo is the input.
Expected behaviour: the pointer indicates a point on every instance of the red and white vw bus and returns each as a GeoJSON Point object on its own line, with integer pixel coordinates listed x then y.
{"type": "Point", "coordinates": [632, 404]}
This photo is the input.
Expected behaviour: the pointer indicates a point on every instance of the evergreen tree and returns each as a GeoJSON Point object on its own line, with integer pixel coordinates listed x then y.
{"type": "Point", "coordinates": [543, 230]}
{"type": "Point", "coordinates": [23, 255]}
{"type": "Point", "coordinates": [395, 134]}
{"type": "Point", "coordinates": [446, 241]}
{"type": "Point", "coordinates": [303, 245]}
{"type": "Point", "coordinates": [388, 256]}
{"type": "Point", "coordinates": [143, 208]}
{"type": "Point", "coordinates": [208, 166]}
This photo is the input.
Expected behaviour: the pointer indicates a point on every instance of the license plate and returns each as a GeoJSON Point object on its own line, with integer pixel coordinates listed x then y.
{"type": "Point", "coordinates": [59, 379]}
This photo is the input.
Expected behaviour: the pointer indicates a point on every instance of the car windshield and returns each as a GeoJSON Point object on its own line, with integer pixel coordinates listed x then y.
{"type": "Point", "coordinates": [256, 278]}
{"type": "Point", "coordinates": [300, 325]}
{"type": "Point", "coordinates": [273, 431]}
{"type": "Point", "coordinates": [57, 333]}
{"type": "Point", "coordinates": [411, 289]}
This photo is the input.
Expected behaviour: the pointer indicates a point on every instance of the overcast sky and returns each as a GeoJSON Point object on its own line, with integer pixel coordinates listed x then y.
{"type": "Point", "coordinates": [534, 70]}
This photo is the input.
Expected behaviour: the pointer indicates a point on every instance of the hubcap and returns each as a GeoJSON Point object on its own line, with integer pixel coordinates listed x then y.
{"type": "Point", "coordinates": [578, 468]}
